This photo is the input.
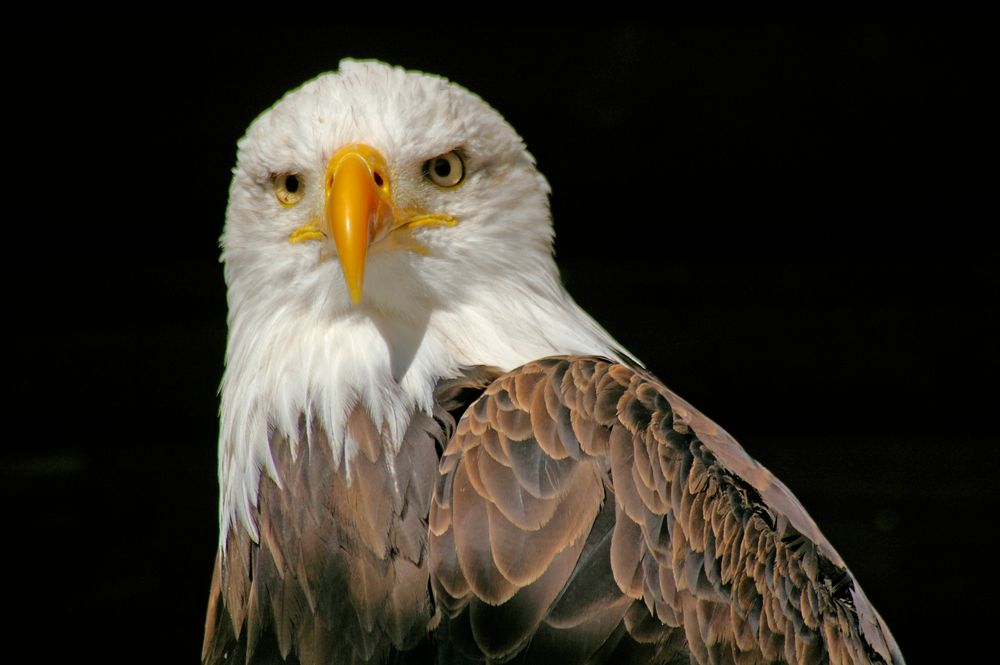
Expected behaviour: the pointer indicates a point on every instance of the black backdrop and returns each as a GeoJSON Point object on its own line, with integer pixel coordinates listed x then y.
{"type": "Point", "coordinates": [788, 223]}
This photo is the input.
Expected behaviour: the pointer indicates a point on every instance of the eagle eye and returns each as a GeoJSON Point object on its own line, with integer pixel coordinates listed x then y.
{"type": "Point", "coordinates": [288, 188]}
{"type": "Point", "coordinates": [445, 170]}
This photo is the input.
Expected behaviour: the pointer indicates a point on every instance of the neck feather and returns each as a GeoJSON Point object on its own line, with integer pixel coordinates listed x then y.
{"type": "Point", "coordinates": [288, 367]}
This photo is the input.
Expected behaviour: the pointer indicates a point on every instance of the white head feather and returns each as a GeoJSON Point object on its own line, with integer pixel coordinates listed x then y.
{"type": "Point", "coordinates": [487, 291]}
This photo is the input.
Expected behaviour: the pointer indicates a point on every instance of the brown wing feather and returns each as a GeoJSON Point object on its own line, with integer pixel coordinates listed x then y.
{"type": "Point", "coordinates": [663, 539]}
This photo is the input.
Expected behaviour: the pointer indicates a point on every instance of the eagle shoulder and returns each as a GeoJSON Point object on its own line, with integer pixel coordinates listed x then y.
{"type": "Point", "coordinates": [584, 510]}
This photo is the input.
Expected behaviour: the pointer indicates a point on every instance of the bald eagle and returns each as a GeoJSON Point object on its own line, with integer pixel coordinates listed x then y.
{"type": "Point", "coordinates": [429, 452]}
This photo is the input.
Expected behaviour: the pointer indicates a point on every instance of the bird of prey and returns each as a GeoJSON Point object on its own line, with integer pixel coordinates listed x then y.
{"type": "Point", "coordinates": [430, 453]}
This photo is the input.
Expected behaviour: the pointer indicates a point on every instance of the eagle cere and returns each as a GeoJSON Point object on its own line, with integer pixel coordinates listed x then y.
{"type": "Point", "coordinates": [429, 453]}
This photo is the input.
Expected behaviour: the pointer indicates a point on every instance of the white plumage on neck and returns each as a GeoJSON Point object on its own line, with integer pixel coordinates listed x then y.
{"type": "Point", "coordinates": [296, 366]}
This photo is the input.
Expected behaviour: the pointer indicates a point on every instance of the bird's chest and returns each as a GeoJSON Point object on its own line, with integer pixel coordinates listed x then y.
{"type": "Point", "coordinates": [342, 547]}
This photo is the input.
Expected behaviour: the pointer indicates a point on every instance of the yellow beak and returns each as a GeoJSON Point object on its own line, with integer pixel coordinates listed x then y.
{"type": "Point", "coordinates": [356, 195]}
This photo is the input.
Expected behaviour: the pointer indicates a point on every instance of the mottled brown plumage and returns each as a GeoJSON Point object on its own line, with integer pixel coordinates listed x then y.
{"type": "Point", "coordinates": [340, 568]}
{"type": "Point", "coordinates": [690, 549]}
{"type": "Point", "coordinates": [579, 512]}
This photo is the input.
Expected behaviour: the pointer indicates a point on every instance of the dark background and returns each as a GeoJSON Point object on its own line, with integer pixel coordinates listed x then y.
{"type": "Point", "coordinates": [805, 254]}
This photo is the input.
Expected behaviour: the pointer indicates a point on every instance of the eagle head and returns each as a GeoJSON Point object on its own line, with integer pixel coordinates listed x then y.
{"type": "Point", "coordinates": [380, 188]}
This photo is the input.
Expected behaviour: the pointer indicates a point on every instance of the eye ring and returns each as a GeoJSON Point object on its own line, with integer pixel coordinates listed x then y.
{"type": "Point", "coordinates": [446, 171]}
{"type": "Point", "coordinates": [289, 188]}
